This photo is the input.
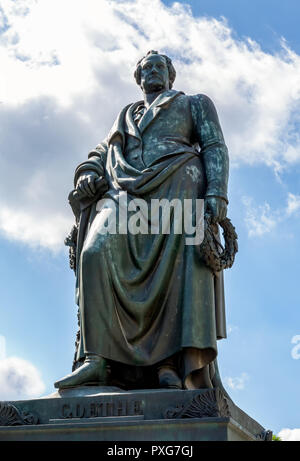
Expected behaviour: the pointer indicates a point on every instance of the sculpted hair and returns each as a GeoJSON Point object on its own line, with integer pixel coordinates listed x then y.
{"type": "Point", "coordinates": [171, 69]}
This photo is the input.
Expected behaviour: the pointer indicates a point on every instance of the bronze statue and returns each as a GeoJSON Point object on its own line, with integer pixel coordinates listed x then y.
{"type": "Point", "coordinates": [151, 309]}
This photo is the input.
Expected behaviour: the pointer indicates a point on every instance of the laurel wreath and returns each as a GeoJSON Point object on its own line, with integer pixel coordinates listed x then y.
{"type": "Point", "coordinates": [212, 251]}
{"type": "Point", "coordinates": [71, 242]}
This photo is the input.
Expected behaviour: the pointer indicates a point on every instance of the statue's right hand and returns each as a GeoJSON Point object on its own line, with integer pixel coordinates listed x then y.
{"type": "Point", "coordinates": [86, 186]}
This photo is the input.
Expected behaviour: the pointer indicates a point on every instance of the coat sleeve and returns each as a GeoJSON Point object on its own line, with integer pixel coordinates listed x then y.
{"type": "Point", "coordinates": [208, 134]}
{"type": "Point", "coordinates": [96, 161]}
{"type": "Point", "coordinates": [97, 157]}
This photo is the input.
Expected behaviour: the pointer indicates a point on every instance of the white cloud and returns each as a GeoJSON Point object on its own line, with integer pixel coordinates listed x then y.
{"type": "Point", "coordinates": [67, 75]}
{"type": "Point", "coordinates": [237, 383]}
{"type": "Point", "coordinates": [295, 352]}
{"type": "Point", "coordinates": [289, 435]}
{"type": "Point", "coordinates": [293, 204]}
{"type": "Point", "coordinates": [19, 379]}
{"type": "Point", "coordinates": [292, 153]}
{"type": "Point", "coordinates": [260, 219]}
{"type": "Point", "coordinates": [34, 229]}
{"type": "Point", "coordinates": [232, 328]}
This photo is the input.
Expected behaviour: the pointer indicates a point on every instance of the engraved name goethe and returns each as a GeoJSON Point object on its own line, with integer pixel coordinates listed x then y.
{"type": "Point", "coordinates": [102, 408]}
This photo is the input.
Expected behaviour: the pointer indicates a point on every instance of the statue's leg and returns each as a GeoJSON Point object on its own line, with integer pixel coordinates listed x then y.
{"type": "Point", "coordinates": [198, 379]}
{"type": "Point", "coordinates": [195, 364]}
{"type": "Point", "coordinates": [93, 283]}
{"type": "Point", "coordinates": [92, 371]}
{"type": "Point", "coordinates": [168, 377]}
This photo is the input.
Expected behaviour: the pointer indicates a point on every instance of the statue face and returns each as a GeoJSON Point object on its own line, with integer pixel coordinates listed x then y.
{"type": "Point", "coordinates": [154, 74]}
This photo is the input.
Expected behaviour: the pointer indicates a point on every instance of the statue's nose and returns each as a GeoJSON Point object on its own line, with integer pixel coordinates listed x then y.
{"type": "Point", "coordinates": [155, 71]}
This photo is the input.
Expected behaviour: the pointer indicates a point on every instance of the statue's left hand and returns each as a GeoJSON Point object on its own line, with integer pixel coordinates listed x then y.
{"type": "Point", "coordinates": [89, 185]}
{"type": "Point", "coordinates": [216, 207]}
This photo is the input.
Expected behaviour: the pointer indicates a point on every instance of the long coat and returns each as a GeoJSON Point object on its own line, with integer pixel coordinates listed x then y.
{"type": "Point", "coordinates": [145, 297]}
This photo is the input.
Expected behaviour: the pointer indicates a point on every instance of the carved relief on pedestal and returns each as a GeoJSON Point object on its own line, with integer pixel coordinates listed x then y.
{"type": "Point", "coordinates": [211, 403]}
{"type": "Point", "coordinates": [11, 416]}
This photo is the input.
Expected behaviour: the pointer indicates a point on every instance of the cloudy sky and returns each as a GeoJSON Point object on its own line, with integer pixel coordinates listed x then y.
{"type": "Point", "coordinates": [66, 71]}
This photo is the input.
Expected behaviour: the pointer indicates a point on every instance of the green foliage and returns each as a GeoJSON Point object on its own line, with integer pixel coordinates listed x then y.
{"type": "Point", "coordinates": [275, 438]}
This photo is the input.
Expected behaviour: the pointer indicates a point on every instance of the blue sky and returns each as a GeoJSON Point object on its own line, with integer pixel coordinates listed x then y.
{"type": "Point", "coordinates": [59, 96]}
{"type": "Point", "coordinates": [265, 21]}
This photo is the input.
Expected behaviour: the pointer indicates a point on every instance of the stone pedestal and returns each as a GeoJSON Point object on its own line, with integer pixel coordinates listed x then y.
{"type": "Point", "coordinates": [111, 414]}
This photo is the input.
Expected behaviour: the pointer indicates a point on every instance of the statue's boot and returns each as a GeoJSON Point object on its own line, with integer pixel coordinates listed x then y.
{"type": "Point", "coordinates": [168, 378]}
{"type": "Point", "coordinates": [92, 371]}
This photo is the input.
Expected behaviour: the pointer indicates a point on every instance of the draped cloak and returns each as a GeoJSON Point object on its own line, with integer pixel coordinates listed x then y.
{"type": "Point", "coordinates": [144, 297]}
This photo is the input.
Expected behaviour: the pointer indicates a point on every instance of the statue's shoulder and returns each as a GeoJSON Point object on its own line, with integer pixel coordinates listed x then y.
{"type": "Point", "coordinates": [123, 111]}
{"type": "Point", "coordinates": [201, 99]}
{"type": "Point", "coordinates": [202, 106]}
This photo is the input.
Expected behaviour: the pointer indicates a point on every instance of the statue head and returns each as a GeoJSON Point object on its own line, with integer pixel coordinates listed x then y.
{"type": "Point", "coordinates": [155, 72]}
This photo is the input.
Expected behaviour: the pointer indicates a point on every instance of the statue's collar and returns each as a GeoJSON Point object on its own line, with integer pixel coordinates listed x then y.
{"type": "Point", "coordinates": [164, 98]}
{"type": "Point", "coordinates": [130, 127]}
{"type": "Point", "coordinates": [161, 101]}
